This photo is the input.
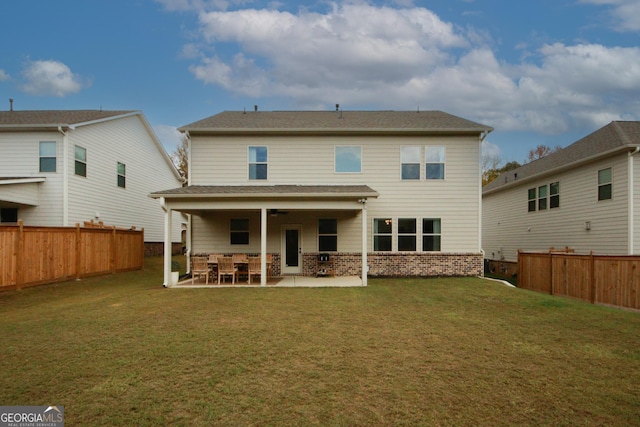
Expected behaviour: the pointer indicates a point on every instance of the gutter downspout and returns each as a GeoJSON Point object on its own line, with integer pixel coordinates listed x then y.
{"type": "Point", "coordinates": [483, 136]}
{"type": "Point", "coordinates": [65, 177]}
{"type": "Point", "coordinates": [631, 199]}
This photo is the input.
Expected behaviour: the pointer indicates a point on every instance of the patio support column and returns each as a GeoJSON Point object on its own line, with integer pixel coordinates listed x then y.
{"type": "Point", "coordinates": [263, 247]}
{"type": "Point", "coordinates": [365, 267]}
{"type": "Point", "coordinates": [167, 244]}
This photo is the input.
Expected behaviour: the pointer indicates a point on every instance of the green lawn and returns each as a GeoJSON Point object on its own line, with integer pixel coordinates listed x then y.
{"type": "Point", "coordinates": [122, 350]}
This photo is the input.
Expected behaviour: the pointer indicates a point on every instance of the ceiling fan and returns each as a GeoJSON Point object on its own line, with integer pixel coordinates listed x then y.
{"type": "Point", "coordinates": [276, 212]}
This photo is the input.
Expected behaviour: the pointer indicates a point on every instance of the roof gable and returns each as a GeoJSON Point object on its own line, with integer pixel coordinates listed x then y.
{"type": "Point", "coordinates": [241, 121]}
{"type": "Point", "coordinates": [614, 137]}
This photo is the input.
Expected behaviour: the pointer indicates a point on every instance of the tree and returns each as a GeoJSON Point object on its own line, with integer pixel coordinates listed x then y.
{"type": "Point", "coordinates": [541, 151]}
{"type": "Point", "coordinates": [180, 157]}
{"type": "Point", "coordinates": [491, 173]}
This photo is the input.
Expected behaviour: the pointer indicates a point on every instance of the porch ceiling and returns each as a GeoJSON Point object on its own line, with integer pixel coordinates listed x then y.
{"type": "Point", "coordinates": [16, 192]}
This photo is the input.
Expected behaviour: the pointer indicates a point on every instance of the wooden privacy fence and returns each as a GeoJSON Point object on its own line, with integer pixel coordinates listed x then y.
{"type": "Point", "coordinates": [32, 256]}
{"type": "Point", "coordinates": [600, 279]}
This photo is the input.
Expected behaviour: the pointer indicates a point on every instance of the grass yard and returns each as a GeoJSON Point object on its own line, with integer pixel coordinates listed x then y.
{"type": "Point", "coordinates": [122, 350]}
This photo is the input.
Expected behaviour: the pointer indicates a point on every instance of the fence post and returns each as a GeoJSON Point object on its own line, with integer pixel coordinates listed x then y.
{"type": "Point", "coordinates": [142, 246]}
{"type": "Point", "coordinates": [520, 269]}
{"type": "Point", "coordinates": [113, 250]}
{"type": "Point", "coordinates": [592, 276]}
{"type": "Point", "coordinates": [551, 271]}
{"type": "Point", "coordinates": [19, 255]}
{"type": "Point", "coordinates": [78, 251]}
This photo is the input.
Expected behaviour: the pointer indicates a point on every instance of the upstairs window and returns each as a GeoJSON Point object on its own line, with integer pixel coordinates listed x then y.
{"type": "Point", "coordinates": [554, 195]}
{"type": "Point", "coordinates": [605, 190]}
{"type": "Point", "coordinates": [406, 234]}
{"type": "Point", "coordinates": [382, 233]}
{"type": "Point", "coordinates": [348, 159]}
{"type": "Point", "coordinates": [431, 234]}
{"type": "Point", "coordinates": [122, 175]}
{"type": "Point", "coordinates": [239, 231]}
{"type": "Point", "coordinates": [47, 156]}
{"type": "Point", "coordinates": [410, 160]}
{"type": "Point", "coordinates": [542, 197]}
{"type": "Point", "coordinates": [532, 200]}
{"type": "Point", "coordinates": [435, 159]}
{"type": "Point", "coordinates": [258, 160]}
{"type": "Point", "coordinates": [81, 161]}
{"type": "Point", "coordinates": [327, 235]}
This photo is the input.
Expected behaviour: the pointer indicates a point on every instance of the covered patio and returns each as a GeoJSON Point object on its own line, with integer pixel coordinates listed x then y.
{"type": "Point", "coordinates": [283, 282]}
{"type": "Point", "coordinates": [210, 206]}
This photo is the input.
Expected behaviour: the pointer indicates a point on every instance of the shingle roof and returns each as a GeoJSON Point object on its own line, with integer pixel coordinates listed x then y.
{"type": "Point", "coordinates": [269, 191]}
{"type": "Point", "coordinates": [616, 135]}
{"type": "Point", "coordinates": [54, 118]}
{"type": "Point", "coordinates": [336, 120]}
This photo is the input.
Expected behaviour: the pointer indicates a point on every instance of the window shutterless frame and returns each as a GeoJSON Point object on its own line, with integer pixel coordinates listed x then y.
{"type": "Point", "coordinates": [81, 161]}
{"type": "Point", "coordinates": [258, 160]}
{"type": "Point", "coordinates": [347, 159]}
{"type": "Point", "coordinates": [48, 157]}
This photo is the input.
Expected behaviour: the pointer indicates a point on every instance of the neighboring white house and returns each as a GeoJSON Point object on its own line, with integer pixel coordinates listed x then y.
{"type": "Point", "coordinates": [585, 197]}
{"type": "Point", "coordinates": [384, 192]}
{"type": "Point", "coordinates": [62, 167]}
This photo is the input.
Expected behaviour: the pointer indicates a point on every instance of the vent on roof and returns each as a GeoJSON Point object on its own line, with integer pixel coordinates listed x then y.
{"type": "Point", "coordinates": [10, 104]}
{"type": "Point", "coordinates": [337, 107]}
{"type": "Point", "coordinates": [255, 108]}
{"type": "Point", "coordinates": [515, 176]}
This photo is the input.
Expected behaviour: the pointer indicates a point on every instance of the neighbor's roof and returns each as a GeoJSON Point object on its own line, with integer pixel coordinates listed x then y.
{"type": "Point", "coordinates": [615, 137]}
{"type": "Point", "coordinates": [269, 121]}
{"type": "Point", "coordinates": [53, 118]}
{"type": "Point", "coordinates": [268, 191]}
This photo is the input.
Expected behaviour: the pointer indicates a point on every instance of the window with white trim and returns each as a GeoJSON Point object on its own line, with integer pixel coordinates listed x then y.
{"type": "Point", "coordinates": [605, 184]}
{"type": "Point", "coordinates": [431, 234]}
{"type": "Point", "coordinates": [554, 195]}
{"type": "Point", "coordinates": [327, 235]}
{"type": "Point", "coordinates": [410, 162]}
{"type": "Point", "coordinates": [48, 156]}
{"type": "Point", "coordinates": [348, 159]}
{"type": "Point", "coordinates": [382, 234]}
{"type": "Point", "coordinates": [239, 231]}
{"type": "Point", "coordinates": [258, 161]}
{"type": "Point", "coordinates": [435, 160]}
{"type": "Point", "coordinates": [407, 234]}
{"type": "Point", "coordinates": [542, 197]}
{"type": "Point", "coordinates": [122, 175]}
{"type": "Point", "coordinates": [81, 161]}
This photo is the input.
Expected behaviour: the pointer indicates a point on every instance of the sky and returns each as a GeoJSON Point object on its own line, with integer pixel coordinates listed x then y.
{"type": "Point", "coordinates": [539, 72]}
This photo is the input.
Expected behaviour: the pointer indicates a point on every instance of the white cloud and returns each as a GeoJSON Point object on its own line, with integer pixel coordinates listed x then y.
{"type": "Point", "coordinates": [51, 78]}
{"type": "Point", "coordinates": [626, 13]}
{"type": "Point", "coordinates": [169, 136]}
{"type": "Point", "coordinates": [4, 76]}
{"type": "Point", "coordinates": [357, 54]}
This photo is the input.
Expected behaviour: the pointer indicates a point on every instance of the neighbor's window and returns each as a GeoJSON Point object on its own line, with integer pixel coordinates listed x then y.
{"type": "Point", "coordinates": [348, 159]}
{"type": "Point", "coordinates": [435, 162]}
{"type": "Point", "coordinates": [410, 160]}
{"type": "Point", "coordinates": [542, 197]}
{"type": "Point", "coordinates": [47, 156]}
{"type": "Point", "coordinates": [431, 234]}
{"type": "Point", "coordinates": [327, 235]}
{"type": "Point", "coordinates": [604, 184]}
{"type": "Point", "coordinates": [532, 200]}
{"type": "Point", "coordinates": [81, 161]}
{"type": "Point", "coordinates": [406, 234]}
{"type": "Point", "coordinates": [554, 195]}
{"type": "Point", "coordinates": [9, 215]}
{"type": "Point", "coordinates": [382, 229]}
{"type": "Point", "coordinates": [258, 157]}
{"type": "Point", "coordinates": [239, 231]}
{"type": "Point", "coordinates": [122, 175]}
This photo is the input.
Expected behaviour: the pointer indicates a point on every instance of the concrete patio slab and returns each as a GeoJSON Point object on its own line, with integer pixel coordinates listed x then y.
{"type": "Point", "coordinates": [281, 282]}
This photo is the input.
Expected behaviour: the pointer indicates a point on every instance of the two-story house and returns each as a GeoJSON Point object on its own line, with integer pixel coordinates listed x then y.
{"type": "Point", "coordinates": [384, 193]}
{"type": "Point", "coordinates": [585, 197]}
{"type": "Point", "coordinates": [62, 167]}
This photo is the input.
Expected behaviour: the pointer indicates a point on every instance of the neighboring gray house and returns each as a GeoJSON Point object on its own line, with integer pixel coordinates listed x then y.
{"type": "Point", "coordinates": [383, 192]}
{"type": "Point", "coordinates": [585, 197]}
{"type": "Point", "coordinates": [62, 167]}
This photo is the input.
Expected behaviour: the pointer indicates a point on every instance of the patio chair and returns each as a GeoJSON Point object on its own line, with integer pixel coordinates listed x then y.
{"type": "Point", "coordinates": [199, 268]}
{"type": "Point", "coordinates": [213, 266]}
{"type": "Point", "coordinates": [226, 268]}
{"type": "Point", "coordinates": [254, 267]}
{"type": "Point", "coordinates": [240, 261]}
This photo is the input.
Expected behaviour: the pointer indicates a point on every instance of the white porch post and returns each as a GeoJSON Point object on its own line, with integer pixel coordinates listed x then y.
{"type": "Point", "coordinates": [365, 267]}
{"type": "Point", "coordinates": [167, 245]}
{"type": "Point", "coordinates": [263, 247]}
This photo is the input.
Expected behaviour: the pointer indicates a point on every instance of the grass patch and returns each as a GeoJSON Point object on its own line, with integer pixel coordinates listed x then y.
{"type": "Point", "coordinates": [122, 350]}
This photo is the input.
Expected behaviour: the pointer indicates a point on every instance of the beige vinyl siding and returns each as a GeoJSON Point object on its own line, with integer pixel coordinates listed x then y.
{"type": "Point", "coordinates": [20, 157]}
{"type": "Point", "coordinates": [27, 193]}
{"type": "Point", "coordinates": [508, 226]}
{"type": "Point", "coordinates": [636, 203]}
{"type": "Point", "coordinates": [127, 141]}
{"type": "Point", "coordinates": [310, 160]}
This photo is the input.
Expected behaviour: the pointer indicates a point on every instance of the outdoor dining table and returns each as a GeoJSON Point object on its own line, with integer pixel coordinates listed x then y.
{"type": "Point", "coordinates": [239, 260]}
